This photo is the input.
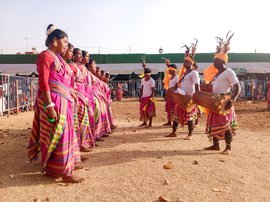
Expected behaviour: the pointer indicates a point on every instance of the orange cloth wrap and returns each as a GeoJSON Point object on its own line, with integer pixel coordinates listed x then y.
{"type": "Point", "coordinates": [209, 73]}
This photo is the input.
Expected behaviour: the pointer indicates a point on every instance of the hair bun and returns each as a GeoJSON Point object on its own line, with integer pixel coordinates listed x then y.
{"type": "Point", "coordinates": [50, 29]}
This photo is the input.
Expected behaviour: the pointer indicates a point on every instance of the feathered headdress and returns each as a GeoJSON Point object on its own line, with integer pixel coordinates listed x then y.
{"type": "Point", "coordinates": [190, 56]}
{"type": "Point", "coordinates": [191, 51]}
{"type": "Point", "coordinates": [144, 65]}
{"type": "Point", "coordinates": [223, 47]}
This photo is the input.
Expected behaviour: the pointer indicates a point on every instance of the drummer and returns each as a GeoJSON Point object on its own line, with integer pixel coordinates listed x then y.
{"type": "Point", "coordinates": [189, 83]}
{"type": "Point", "coordinates": [170, 81]}
{"type": "Point", "coordinates": [221, 127]}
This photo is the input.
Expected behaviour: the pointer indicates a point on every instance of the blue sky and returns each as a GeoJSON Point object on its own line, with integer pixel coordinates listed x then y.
{"type": "Point", "coordinates": [144, 25]}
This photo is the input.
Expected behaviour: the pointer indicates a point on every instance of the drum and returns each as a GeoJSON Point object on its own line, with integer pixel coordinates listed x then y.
{"type": "Point", "coordinates": [183, 101]}
{"type": "Point", "coordinates": [212, 101]}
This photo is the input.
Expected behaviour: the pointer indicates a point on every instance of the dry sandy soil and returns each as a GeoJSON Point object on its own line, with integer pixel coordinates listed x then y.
{"type": "Point", "coordinates": [128, 166]}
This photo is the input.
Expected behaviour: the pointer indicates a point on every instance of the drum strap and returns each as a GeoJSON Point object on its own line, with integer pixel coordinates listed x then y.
{"type": "Point", "coordinates": [216, 76]}
{"type": "Point", "coordinates": [183, 77]}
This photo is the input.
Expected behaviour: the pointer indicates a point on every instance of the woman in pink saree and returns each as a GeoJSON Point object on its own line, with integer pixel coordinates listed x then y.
{"type": "Point", "coordinates": [100, 111]}
{"type": "Point", "coordinates": [108, 96]}
{"type": "Point", "coordinates": [52, 131]}
{"type": "Point", "coordinates": [85, 136]}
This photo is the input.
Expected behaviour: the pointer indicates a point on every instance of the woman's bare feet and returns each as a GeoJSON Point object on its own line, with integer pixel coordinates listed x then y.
{"type": "Point", "coordinates": [72, 179]}
{"type": "Point", "coordinates": [79, 167]}
{"type": "Point", "coordinates": [86, 149]}
{"type": "Point", "coordinates": [84, 158]}
{"type": "Point", "coordinates": [113, 127]}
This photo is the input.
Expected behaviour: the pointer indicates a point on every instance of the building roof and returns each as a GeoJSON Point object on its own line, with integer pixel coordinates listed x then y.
{"type": "Point", "coordinates": [150, 58]}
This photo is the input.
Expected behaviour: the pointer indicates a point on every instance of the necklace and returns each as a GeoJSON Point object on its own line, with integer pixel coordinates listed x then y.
{"type": "Point", "coordinates": [57, 62]}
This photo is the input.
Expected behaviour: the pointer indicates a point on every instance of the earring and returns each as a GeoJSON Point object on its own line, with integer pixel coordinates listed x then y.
{"type": "Point", "coordinates": [55, 43]}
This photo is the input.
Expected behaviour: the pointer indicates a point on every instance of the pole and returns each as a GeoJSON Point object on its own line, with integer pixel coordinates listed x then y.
{"type": "Point", "coordinates": [129, 49]}
{"type": "Point", "coordinates": [31, 96]}
{"type": "Point", "coordinates": [17, 97]}
{"type": "Point", "coordinates": [8, 95]}
{"type": "Point", "coordinates": [27, 38]}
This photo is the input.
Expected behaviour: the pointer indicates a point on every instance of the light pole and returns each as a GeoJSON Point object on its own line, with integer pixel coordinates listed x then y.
{"type": "Point", "coordinates": [27, 38]}
{"type": "Point", "coordinates": [160, 50]}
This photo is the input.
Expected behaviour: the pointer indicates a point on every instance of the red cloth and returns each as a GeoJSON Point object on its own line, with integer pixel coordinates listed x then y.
{"type": "Point", "coordinates": [218, 124]}
{"type": "Point", "coordinates": [44, 62]}
{"type": "Point", "coordinates": [182, 116]}
{"type": "Point", "coordinates": [169, 108]}
{"type": "Point", "coordinates": [150, 110]}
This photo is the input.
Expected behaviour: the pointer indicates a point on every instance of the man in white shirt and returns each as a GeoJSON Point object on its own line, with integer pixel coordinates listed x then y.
{"type": "Point", "coordinates": [189, 83]}
{"type": "Point", "coordinates": [172, 83]}
{"type": "Point", "coordinates": [223, 126]}
{"type": "Point", "coordinates": [146, 99]}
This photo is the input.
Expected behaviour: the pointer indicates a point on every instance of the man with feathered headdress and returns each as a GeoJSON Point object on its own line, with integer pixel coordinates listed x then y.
{"type": "Point", "coordinates": [188, 84]}
{"type": "Point", "coordinates": [218, 126]}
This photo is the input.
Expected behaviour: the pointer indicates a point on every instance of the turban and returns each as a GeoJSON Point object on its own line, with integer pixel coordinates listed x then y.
{"type": "Point", "coordinates": [189, 59]}
{"type": "Point", "coordinates": [222, 56]}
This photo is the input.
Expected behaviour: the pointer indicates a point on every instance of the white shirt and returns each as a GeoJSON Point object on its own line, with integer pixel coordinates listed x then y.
{"type": "Point", "coordinates": [225, 81]}
{"type": "Point", "coordinates": [147, 87]}
{"type": "Point", "coordinates": [188, 83]}
{"type": "Point", "coordinates": [173, 81]}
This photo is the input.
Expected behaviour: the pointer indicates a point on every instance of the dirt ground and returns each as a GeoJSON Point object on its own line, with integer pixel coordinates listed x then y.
{"type": "Point", "coordinates": [128, 166]}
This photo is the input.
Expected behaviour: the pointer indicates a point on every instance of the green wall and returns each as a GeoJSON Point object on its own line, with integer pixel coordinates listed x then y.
{"type": "Point", "coordinates": [150, 58]}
